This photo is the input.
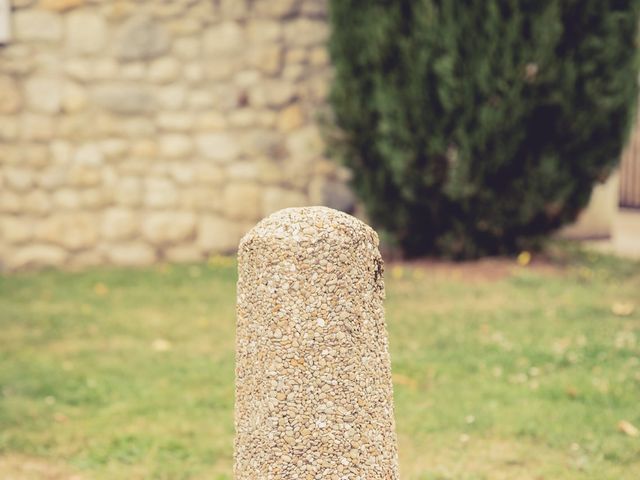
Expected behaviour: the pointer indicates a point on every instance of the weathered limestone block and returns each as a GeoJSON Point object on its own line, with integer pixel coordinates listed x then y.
{"type": "Point", "coordinates": [141, 38]}
{"type": "Point", "coordinates": [168, 228]}
{"type": "Point", "coordinates": [208, 174]}
{"type": "Point", "coordinates": [267, 59]}
{"type": "Point", "coordinates": [36, 127]}
{"type": "Point", "coordinates": [220, 147]}
{"type": "Point", "coordinates": [291, 118]}
{"type": "Point", "coordinates": [71, 230]}
{"type": "Point", "coordinates": [119, 224]}
{"type": "Point", "coordinates": [175, 121]}
{"type": "Point", "coordinates": [128, 191]}
{"type": "Point", "coordinates": [44, 93]}
{"type": "Point", "coordinates": [313, 376]}
{"type": "Point", "coordinates": [119, 9]}
{"type": "Point", "coordinates": [60, 5]}
{"type": "Point", "coordinates": [201, 198]}
{"type": "Point", "coordinates": [34, 154]}
{"type": "Point", "coordinates": [186, 26]}
{"type": "Point", "coordinates": [226, 38]}
{"type": "Point", "coordinates": [193, 72]}
{"type": "Point", "coordinates": [86, 259]}
{"type": "Point", "coordinates": [167, 9]}
{"type": "Point", "coordinates": [172, 96]}
{"type": "Point", "coordinates": [164, 70]}
{"type": "Point", "coordinates": [8, 128]}
{"type": "Point", "coordinates": [36, 255]}
{"type": "Point", "coordinates": [272, 93]}
{"type": "Point", "coordinates": [175, 145]}
{"type": "Point", "coordinates": [94, 198]}
{"type": "Point", "coordinates": [242, 200]}
{"type": "Point", "coordinates": [9, 202]}
{"type": "Point", "coordinates": [16, 230]}
{"type": "Point", "coordinates": [160, 193]}
{"type": "Point", "coordinates": [243, 171]}
{"type": "Point", "coordinates": [305, 32]}
{"type": "Point", "coordinates": [66, 198]}
{"type": "Point", "coordinates": [37, 202]}
{"type": "Point", "coordinates": [133, 71]}
{"type": "Point", "coordinates": [276, 8]}
{"type": "Point", "coordinates": [216, 234]}
{"type": "Point", "coordinates": [37, 25]}
{"type": "Point", "coordinates": [261, 31]}
{"type": "Point", "coordinates": [19, 179]}
{"type": "Point", "coordinates": [134, 254]}
{"type": "Point", "coordinates": [276, 198]}
{"type": "Point", "coordinates": [74, 97]}
{"type": "Point", "coordinates": [10, 98]}
{"type": "Point", "coordinates": [88, 154]}
{"type": "Point", "coordinates": [183, 253]}
{"type": "Point", "coordinates": [86, 32]}
{"type": "Point", "coordinates": [305, 142]}
{"type": "Point", "coordinates": [319, 56]}
{"type": "Point", "coordinates": [125, 98]}
{"type": "Point", "coordinates": [84, 176]}
{"type": "Point", "coordinates": [113, 148]}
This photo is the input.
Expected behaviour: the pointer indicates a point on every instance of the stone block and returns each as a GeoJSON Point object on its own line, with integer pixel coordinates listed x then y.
{"type": "Point", "coordinates": [242, 201]}
{"type": "Point", "coordinates": [133, 254]}
{"type": "Point", "coordinates": [305, 32]}
{"type": "Point", "coordinates": [124, 98]}
{"type": "Point", "coordinates": [221, 147]}
{"type": "Point", "coordinates": [86, 32]}
{"type": "Point", "coordinates": [290, 118]}
{"type": "Point", "coordinates": [43, 93]}
{"type": "Point", "coordinates": [217, 234]}
{"type": "Point", "coordinates": [168, 228]}
{"type": "Point", "coordinates": [16, 229]}
{"type": "Point", "coordinates": [36, 255]}
{"type": "Point", "coordinates": [160, 193]}
{"type": "Point", "coordinates": [164, 70]}
{"type": "Point", "coordinates": [71, 230]}
{"type": "Point", "coordinates": [10, 97]}
{"type": "Point", "coordinates": [226, 38]}
{"type": "Point", "coordinates": [119, 224]}
{"type": "Point", "coordinates": [276, 198]}
{"type": "Point", "coordinates": [37, 25]}
{"type": "Point", "coordinates": [175, 145]}
{"type": "Point", "coordinates": [141, 38]}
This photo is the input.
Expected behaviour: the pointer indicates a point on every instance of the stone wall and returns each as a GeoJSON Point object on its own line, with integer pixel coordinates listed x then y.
{"type": "Point", "coordinates": [137, 131]}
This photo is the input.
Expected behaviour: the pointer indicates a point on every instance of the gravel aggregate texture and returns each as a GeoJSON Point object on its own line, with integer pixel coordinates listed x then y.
{"type": "Point", "coordinates": [314, 396]}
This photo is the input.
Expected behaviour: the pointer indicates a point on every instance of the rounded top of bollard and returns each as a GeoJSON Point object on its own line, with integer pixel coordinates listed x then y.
{"type": "Point", "coordinates": [309, 225]}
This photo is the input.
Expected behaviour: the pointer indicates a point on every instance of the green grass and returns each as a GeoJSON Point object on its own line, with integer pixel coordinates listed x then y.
{"type": "Point", "coordinates": [116, 373]}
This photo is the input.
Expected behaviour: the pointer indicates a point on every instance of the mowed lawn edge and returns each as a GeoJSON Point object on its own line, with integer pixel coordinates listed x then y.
{"type": "Point", "coordinates": [500, 370]}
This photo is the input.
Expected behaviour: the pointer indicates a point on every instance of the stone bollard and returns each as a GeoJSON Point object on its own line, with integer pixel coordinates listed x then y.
{"type": "Point", "coordinates": [314, 397]}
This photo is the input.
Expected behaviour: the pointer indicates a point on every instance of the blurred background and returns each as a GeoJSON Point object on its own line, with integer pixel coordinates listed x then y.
{"type": "Point", "coordinates": [493, 145]}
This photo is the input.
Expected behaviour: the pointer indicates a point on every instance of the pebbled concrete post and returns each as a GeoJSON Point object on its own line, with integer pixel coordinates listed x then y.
{"type": "Point", "coordinates": [313, 377]}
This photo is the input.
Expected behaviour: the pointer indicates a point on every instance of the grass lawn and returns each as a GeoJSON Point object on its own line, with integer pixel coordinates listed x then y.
{"type": "Point", "coordinates": [500, 371]}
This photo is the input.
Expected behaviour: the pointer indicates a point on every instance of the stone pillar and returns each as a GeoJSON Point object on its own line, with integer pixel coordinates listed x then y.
{"type": "Point", "coordinates": [313, 378]}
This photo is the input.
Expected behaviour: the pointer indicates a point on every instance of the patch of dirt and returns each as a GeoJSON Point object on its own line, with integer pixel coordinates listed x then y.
{"type": "Point", "coordinates": [20, 467]}
{"type": "Point", "coordinates": [487, 269]}
{"type": "Point", "coordinates": [474, 458]}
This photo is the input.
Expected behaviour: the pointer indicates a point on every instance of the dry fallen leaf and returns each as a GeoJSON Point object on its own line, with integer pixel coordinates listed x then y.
{"type": "Point", "coordinates": [161, 345]}
{"type": "Point", "coordinates": [400, 379]}
{"type": "Point", "coordinates": [524, 258]}
{"type": "Point", "coordinates": [397, 272]}
{"type": "Point", "coordinates": [100, 289]}
{"type": "Point", "coordinates": [622, 309]}
{"type": "Point", "coordinates": [628, 428]}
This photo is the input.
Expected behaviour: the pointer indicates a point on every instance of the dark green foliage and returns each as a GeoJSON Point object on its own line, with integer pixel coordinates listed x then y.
{"type": "Point", "coordinates": [476, 127]}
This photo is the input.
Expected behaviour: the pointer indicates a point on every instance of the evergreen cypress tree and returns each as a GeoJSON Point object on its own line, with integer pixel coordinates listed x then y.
{"type": "Point", "coordinates": [476, 127]}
